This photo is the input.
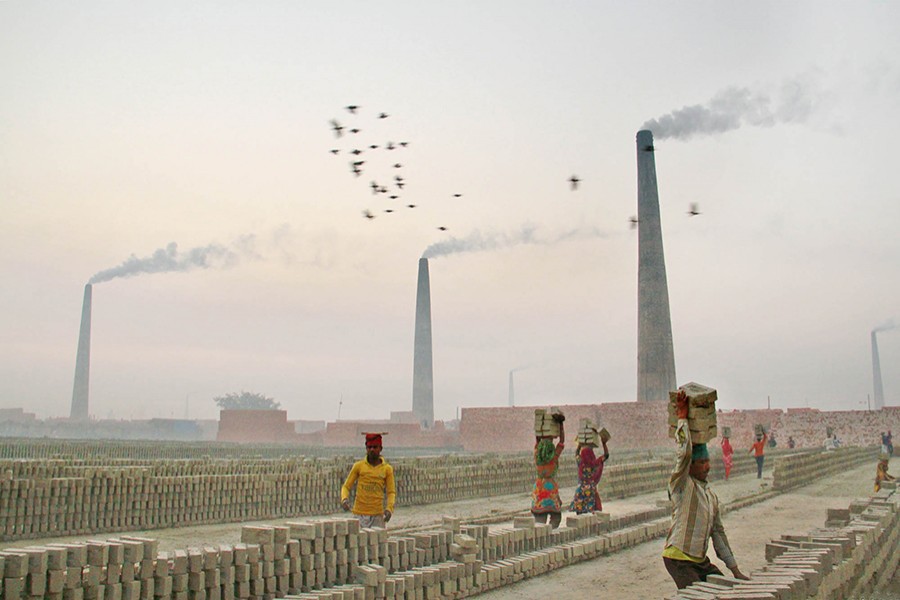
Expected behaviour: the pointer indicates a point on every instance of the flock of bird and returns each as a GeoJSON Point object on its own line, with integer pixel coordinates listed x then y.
{"type": "Point", "coordinates": [370, 157]}
{"type": "Point", "coordinates": [394, 189]}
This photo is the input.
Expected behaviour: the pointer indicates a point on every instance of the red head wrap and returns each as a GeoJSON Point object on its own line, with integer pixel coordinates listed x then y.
{"type": "Point", "coordinates": [373, 439]}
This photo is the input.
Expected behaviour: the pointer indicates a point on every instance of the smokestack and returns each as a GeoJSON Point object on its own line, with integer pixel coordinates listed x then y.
{"type": "Point", "coordinates": [423, 375]}
{"type": "Point", "coordinates": [656, 354]}
{"type": "Point", "coordinates": [876, 374]}
{"type": "Point", "coordinates": [512, 390]}
{"type": "Point", "coordinates": [81, 387]}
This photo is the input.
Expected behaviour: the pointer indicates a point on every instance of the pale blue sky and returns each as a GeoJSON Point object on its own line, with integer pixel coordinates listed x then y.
{"type": "Point", "coordinates": [125, 126]}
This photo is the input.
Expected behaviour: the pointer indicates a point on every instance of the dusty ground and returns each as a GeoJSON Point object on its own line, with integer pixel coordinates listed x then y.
{"type": "Point", "coordinates": [634, 573]}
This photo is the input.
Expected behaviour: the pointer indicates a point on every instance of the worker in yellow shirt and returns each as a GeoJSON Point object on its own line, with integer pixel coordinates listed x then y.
{"type": "Point", "coordinates": [373, 477]}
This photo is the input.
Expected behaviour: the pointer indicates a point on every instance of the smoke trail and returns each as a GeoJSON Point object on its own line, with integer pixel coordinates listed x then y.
{"type": "Point", "coordinates": [479, 242]}
{"type": "Point", "coordinates": [729, 109]}
{"type": "Point", "coordinates": [886, 326]}
{"type": "Point", "coordinates": [169, 259]}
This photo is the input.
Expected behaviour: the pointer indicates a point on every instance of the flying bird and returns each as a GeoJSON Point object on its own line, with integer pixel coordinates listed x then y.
{"type": "Point", "coordinates": [397, 165]}
{"type": "Point", "coordinates": [383, 116]}
{"type": "Point", "coordinates": [389, 146]}
{"type": "Point", "coordinates": [359, 163]}
{"type": "Point", "coordinates": [352, 108]}
{"type": "Point", "coordinates": [389, 210]}
{"type": "Point", "coordinates": [634, 222]}
{"type": "Point", "coordinates": [694, 210]}
{"type": "Point", "coordinates": [393, 197]}
{"type": "Point", "coordinates": [574, 181]}
{"type": "Point", "coordinates": [457, 195]}
{"type": "Point", "coordinates": [400, 185]}
{"type": "Point", "coordinates": [334, 150]}
{"type": "Point", "coordinates": [374, 186]}
{"type": "Point", "coordinates": [374, 146]}
{"type": "Point", "coordinates": [356, 151]}
{"type": "Point", "coordinates": [442, 228]}
{"type": "Point", "coordinates": [410, 205]}
{"type": "Point", "coordinates": [337, 128]}
{"type": "Point", "coordinates": [354, 130]}
{"type": "Point", "coordinates": [404, 144]}
{"type": "Point", "coordinates": [368, 214]}
{"type": "Point", "coordinates": [648, 148]}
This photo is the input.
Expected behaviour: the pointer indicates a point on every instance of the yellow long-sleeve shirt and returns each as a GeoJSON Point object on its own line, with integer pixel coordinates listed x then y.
{"type": "Point", "coordinates": [371, 486]}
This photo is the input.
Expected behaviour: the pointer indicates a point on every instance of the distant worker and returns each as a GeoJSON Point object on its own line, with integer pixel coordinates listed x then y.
{"type": "Point", "coordinates": [772, 442]}
{"type": "Point", "coordinates": [758, 450]}
{"type": "Point", "coordinates": [881, 472]}
{"type": "Point", "coordinates": [695, 512]}
{"type": "Point", "coordinates": [374, 478]}
{"type": "Point", "coordinates": [545, 500]}
{"type": "Point", "coordinates": [727, 455]}
{"type": "Point", "coordinates": [791, 443]}
{"type": "Point", "coordinates": [590, 470]}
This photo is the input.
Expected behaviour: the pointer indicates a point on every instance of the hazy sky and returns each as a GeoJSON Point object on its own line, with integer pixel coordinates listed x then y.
{"type": "Point", "coordinates": [128, 126]}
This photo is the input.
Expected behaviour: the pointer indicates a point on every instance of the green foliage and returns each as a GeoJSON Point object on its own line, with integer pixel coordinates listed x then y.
{"type": "Point", "coordinates": [246, 401]}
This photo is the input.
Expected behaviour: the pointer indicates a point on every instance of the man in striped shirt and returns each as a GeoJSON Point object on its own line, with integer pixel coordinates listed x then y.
{"type": "Point", "coordinates": [695, 512]}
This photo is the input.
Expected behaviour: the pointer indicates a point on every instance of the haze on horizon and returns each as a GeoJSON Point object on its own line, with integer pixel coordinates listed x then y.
{"type": "Point", "coordinates": [128, 128]}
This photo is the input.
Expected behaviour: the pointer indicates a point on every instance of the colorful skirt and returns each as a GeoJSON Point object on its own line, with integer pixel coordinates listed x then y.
{"type": "Point", "coordinates": [545, 497]}
{"type": "Point", "coordinates": [586, 499]}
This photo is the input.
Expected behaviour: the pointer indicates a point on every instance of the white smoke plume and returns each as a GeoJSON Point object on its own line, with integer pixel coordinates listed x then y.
{"type": "Point", "coordinates": [169, 259]}
{"type": "Point", "coordinates": [484, 242]}
{"type": "Point", "coordinates": [886, 326]}
{"type": "Point", "coordinates": [793, 102]}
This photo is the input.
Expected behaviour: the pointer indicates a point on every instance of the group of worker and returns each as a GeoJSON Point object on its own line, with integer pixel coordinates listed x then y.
{"type": "Point", "coordinates": [696, 514]}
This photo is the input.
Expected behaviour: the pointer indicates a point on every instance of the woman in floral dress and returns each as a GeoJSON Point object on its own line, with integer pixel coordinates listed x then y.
{"type": "Point", "coordinates": [590, 469]}
{"type": "Point", "coordinates": [545, 500]}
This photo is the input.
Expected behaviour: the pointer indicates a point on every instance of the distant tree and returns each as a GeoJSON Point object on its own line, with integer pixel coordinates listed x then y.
{"type": "Point", "coordinates": [245, 401]}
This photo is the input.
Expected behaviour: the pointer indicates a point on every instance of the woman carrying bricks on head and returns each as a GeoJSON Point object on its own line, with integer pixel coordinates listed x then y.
{"type": "Point", "coordinates": [545, 500]}
{"type": "Point", "coordinates": [373, 477]}
{"type": "Point", "coordinates": [590, 469]}
{"type": "Point", "coordinates": [727, 455]}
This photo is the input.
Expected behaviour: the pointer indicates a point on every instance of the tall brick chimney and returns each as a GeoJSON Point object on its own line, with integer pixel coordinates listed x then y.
{"type": "Point", "coordinates": [656, 354]}
{"type": "Point", "coordinates": [878, 387]}
{"type": "Point", "coordinates": [423, 374]}
{"type": "Point", "coordinates": [80, 389]}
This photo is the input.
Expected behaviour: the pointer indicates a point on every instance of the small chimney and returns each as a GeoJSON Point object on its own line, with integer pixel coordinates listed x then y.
{"type": "Point", "coordinates": [81, 388]}
{"type": "Point", "coordinates": [512, 390]}
{"type": "Point", "coordinates": [878, 403]}
{"type": "Point", "coordinates": [656, 353]}
{"type": "Point", "coordinates": [423, 375]}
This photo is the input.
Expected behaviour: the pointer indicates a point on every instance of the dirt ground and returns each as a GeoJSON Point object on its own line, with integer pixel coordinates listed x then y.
{"type": "Point", "coordinates": [634, 573]}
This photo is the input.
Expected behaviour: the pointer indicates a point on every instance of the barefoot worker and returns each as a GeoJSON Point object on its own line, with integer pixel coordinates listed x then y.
{"type": "Point", "coordinates": [727, 455]}
{"type": "Point", "coordinates": [374, 478]}
{"type": "Point", "coordinates": [695, 512]}
{"type": "Point", "coordinates": [881, 472]}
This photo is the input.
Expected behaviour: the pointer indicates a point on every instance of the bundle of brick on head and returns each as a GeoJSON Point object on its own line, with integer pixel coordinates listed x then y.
{"type": "Point", "coordinates": [545, 422]}
{"type": "Point", "coordinates": [701, 412]}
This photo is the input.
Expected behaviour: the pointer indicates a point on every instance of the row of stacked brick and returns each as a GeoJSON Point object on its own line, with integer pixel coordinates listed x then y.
{"type": "Point", "coordinates": [852, 556]}
{"type": "Point", "coordinates": [796, 469]}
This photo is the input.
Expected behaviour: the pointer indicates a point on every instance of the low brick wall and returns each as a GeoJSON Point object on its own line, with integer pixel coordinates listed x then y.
{"type": "Point", "coordinates": [643, 425]}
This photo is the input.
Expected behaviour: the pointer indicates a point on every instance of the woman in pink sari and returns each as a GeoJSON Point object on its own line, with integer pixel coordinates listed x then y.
{"type": "Point", "coordinates": [727, 453]}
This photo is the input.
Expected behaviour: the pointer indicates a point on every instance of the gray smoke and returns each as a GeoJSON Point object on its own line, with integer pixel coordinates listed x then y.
{"type": "Point", "coordinates": [169, 259]}
{"type": "Point", "coordinates": [793, 102]}
{"type": "Point", "coordinates": [483, 242]}
{"type": "Point", "coordinates": [886, 326]}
